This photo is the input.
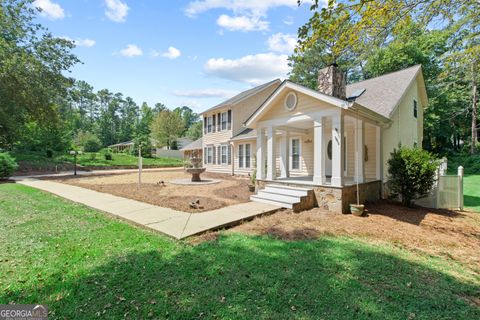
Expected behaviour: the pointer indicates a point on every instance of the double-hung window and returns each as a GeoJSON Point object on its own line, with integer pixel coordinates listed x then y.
{"type": "Point", "coordinates": [224, 155]}
{"type": "Point", "coordinates": [244, 155]}
{"type": "Point", "coordinates": [415, 109]}
{"type": "Point", "coordinates": [209, 124]}
{"type": "Point", "coordinates": [295, 149]}
{"type": "Point", "coordinates": [209, 155]}
{"type": "Point", "coordinates": [224, 118]}
{"type": "Point", "coordinates": [247, 155]}
{"type": "Point", "coordinates": [240, 155]}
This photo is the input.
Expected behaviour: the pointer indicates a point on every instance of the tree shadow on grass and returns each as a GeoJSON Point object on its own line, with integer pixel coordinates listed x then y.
{"type": "Point", "coordinates": [471, 201]}
{"type": "Point", "coordinates": [413, 215]}
{"type": "Point", "coordinates": [238, 277]}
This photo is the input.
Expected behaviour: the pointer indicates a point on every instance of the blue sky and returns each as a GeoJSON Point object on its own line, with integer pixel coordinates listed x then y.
{"type": "Point", "coordinates": [194, 53]}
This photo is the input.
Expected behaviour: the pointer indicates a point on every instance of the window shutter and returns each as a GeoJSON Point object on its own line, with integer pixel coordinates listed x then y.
{"type": "Point", "coordinates": [219, 122]}
{"type": "Point", "coordinates": [219, 154]}
{"type": "Point", "coordinates": [204, 125]}
{"type": "Point", "coordinates": [229, 154]}
{"type": "Point", "coordinates": [213, 123]}
{"type": "Point", "coordinates": [205, 155]}
{"type": "Point", "coordinates": [229, 119]}
{"type": "Point", "coordinates": [213, 155]}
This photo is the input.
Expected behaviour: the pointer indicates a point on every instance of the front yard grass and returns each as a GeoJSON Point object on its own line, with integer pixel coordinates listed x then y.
{"type": "Point", "coordinates": [38, 162]}
{"type": "Point", "coordinates": [85, 265]}
{"type": "Point", "coordinates": [471, 192]}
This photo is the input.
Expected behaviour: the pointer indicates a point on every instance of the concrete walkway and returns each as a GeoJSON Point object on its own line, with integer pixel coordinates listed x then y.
{"type": "Point", "coordinates": [176, 224]}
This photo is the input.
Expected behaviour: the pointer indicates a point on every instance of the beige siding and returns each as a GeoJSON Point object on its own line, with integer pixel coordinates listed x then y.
{"type": "Point", "coordinates": [305, 104]}
{"type": "Point", "coordinates": [370, 142]}
{"type": "Point", "coordinates": [242, 111]}
{"type": "Point", "coordinates": [405, 128]}
{"type": "Point", "coordinates": [216, 139]}
{"type": "Point", "coordinates": [350, 138]}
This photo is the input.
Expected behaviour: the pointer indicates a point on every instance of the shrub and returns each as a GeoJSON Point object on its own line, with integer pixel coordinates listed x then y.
{"type": "Point", "coordinates": [49, 153]}
{"type": "Point", "coordinates": [88, 141]}
{"type": "Point", "coordinates": [411, 173]}
{"type": "Point", "coordinates": [7, 165]}
{"type": "Point", "coordinates": [93, 156]}
{"type": "Point", "coordinates": [108, 156]}
{"type": "Point", "coordinates": [144, 141]}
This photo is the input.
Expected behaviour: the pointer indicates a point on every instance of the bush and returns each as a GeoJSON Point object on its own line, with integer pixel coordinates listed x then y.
{"type": "Point", "coordinates": [411, 173]}
{"type": "Point", "coordinates": [93, 156]}
{"type": "Point", "coordinates": [7, 165]}
{"type": "Point", "coordinates": [144, 141]}
{"type": "Point", "coordinates": [108, 156]}
{"type": "Point", "coordinates": [88, 141]}
{"type": "Point", "coordinates": [49, 153]}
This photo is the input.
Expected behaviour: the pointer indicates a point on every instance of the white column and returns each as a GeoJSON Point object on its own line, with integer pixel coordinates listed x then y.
{"type": "Point", "coordinates": [260, 160]}
{"type": "Point", "coordinates": [319, 153]}
{"type": "Point", "coordinates": [270, 153]}
{"type": "Point", "coordinates": [284, 155]}
{"type": "Point", "coordinates": [337, 150]}
{"type": "Point", "coordinates": [378, 153]}
{"type": "Point", "coordinates": [360, 151]}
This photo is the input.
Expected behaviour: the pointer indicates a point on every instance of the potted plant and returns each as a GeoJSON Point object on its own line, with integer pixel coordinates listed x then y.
{"type": "Point", "coordinates": [253, 181]}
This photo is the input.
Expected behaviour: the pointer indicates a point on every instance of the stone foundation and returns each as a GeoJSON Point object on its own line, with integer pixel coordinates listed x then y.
{"type": "Point", "coordinates": [336, 199]}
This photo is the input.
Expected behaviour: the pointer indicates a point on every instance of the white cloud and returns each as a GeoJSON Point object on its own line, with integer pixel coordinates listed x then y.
{"type": "Point", "coordinates": [50, 9]}
{"type": "Point", "coordinates": [242, 23]}
{"type": "Point", "coordinates": [283, 43]}
{"type": "Point", "coordinates": [116, 10]}
{"type": "Point", "coordinates": [171, 53]}
{"type": "Point", "coordinates": [248, 15]}
{"type": "Point", "coordinates": [205, 93]}
{"type": "Point", "coordinates": [253, 69]}
{"type": "Point", "coordinates": [131, 50]}
{"type": "Point", "coordinates": [259, 7]}
{"type": "Point", "coordinates": [288, 20]}
{"type": "Point", "coordinates": [79, 42]}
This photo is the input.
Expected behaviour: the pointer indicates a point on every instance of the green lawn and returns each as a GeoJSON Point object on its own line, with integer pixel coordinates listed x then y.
{"type": "Point", "coordinates": [35, 161]}
{"type": "Point", "coordinates": [85, 265]}
{"type": "Point", "coordinates": [471, 192]}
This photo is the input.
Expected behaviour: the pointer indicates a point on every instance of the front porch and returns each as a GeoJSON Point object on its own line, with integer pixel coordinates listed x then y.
{"type": "Point", "coordinates": [336, 150]}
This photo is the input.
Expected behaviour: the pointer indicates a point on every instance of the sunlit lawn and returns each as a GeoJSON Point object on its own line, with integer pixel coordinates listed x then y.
{"type": "Point", "coordinates": [85, 265]}
{"type": "Point", "coordinates": [471, 192]}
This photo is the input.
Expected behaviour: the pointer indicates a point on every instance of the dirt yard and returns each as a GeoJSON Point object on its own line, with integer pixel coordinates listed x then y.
{"type": "Point", "coordinates": [454, 235]}
{"type": "Point", "coordinates": [230, 190]}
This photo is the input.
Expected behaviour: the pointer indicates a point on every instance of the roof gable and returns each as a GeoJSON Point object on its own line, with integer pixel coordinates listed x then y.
{"type": "Point", "coordinates": [244, 95]}
{"type": "Point", "coordinates": [384, 93]}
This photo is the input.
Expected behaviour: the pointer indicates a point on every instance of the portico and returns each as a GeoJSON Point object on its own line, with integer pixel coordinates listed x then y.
{"type": "Point", "coordinates": [317, 143]}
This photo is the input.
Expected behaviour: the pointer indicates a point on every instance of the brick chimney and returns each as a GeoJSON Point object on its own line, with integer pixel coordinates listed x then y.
{"type": "Point", "coordinates": [332, 81]}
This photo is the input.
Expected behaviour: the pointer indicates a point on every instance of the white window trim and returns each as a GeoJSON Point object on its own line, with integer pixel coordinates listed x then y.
{"type": "Point", "coordinates": [249, 157]}
{"type": "Point", "coordinates": [224, 117]}
{"type": "Point", "coordinates": [241, 156]}
{"type": "Point", "coordinates": [209, 150]}
{"type": "Point", "coordinates": [222, 148]}
{"type": "Point", "coordinates": [290, 162]}
{"type": "Point", "coordinates": [209, 124]}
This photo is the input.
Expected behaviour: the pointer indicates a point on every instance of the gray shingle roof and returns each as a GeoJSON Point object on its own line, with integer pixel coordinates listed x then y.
{"type": "Point", "coordinates": [195, 145]}
{"type": "Point", "coordinates": [243, 95]}
{"type": "Point", "coordinates": [248, 133]}
{"type": "Point", "coordinates": [383, 93]}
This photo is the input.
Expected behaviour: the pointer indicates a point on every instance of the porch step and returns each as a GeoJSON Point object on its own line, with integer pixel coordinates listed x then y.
{"type": "Point", "coordinates": [274, 202]}
{"type": "Point", "coordinates": [284, 196]}
{"type": "Point", "coordinates": [287, 190]}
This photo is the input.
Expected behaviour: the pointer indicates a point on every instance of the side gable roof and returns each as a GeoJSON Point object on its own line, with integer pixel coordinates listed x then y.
{"type": "Point", "coordinates": [384, 93]}
{"type": "Point", "coordinates": [244, 95]}
{"type": "Point", "coordinates": [195, 145]}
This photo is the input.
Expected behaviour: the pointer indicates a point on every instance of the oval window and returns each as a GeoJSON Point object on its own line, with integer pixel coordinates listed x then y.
{"type": "Point", "coordinates": [290, 101]}
{"type": "Point", "coordinates": [329, 150]}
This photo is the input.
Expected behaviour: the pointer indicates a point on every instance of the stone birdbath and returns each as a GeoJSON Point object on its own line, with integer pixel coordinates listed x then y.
{"type": "Point", "coordinates": [196, 169]}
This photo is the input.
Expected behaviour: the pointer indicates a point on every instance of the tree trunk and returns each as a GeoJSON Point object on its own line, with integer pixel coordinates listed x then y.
{"type": "Point", "coordinates": [473, 147]}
